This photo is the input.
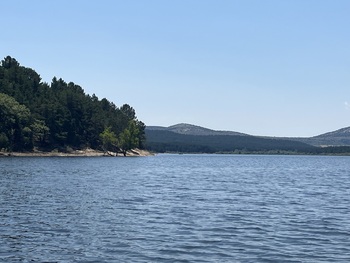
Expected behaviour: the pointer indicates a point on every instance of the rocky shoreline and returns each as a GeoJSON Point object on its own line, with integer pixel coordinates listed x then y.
{"type": "Point", "coordinates": [76, 153]}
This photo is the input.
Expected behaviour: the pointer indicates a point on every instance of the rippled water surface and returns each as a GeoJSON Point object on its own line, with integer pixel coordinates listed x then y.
{"type": "Point", "coordinates": [175, 208]}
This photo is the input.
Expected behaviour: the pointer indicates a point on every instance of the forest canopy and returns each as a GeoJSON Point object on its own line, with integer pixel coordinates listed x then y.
{"type": "Point", "coordinates": [59, 115]}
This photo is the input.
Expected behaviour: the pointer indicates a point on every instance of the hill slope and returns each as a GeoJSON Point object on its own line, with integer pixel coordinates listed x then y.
{"type": "Point", "coordinates": [189, 129]}
{"type": "Point", "coordinates": [192, 138]}
{"type": "Point", "coordinates": [163, 140]}
{"type": "Point", "coordinates": [339, 137]}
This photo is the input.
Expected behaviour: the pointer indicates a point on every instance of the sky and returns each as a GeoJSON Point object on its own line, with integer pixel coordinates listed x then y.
{"type": "Point", "coordinates": [271, 68]}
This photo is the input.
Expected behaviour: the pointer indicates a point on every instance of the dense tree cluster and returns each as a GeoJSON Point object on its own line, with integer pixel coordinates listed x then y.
{"type": "Point", "coordinates": [166, 141]}
{"type": "Point", "coordinates": [60, 115]}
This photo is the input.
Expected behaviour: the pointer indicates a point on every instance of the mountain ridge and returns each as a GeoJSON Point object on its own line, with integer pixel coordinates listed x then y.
{"type": "Point", "coordinates": [190, 129]}
{"type": "Point", "coordinates": [340, 137]}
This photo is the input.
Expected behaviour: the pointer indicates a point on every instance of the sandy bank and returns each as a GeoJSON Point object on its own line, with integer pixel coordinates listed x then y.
{"type": "Point", "coordinates": [77, 153]}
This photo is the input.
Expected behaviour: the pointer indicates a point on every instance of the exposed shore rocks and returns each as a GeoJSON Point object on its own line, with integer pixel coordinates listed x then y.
{"type": "Point", "coordinates": [77, 153]}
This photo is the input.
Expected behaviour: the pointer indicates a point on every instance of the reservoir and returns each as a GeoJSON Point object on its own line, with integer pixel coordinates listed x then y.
{"type": "Point", "coordinates": [175, 208]}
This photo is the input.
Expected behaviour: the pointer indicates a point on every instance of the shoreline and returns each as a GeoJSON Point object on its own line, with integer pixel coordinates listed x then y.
{"type": "Point", "coordinates": [78, 153]}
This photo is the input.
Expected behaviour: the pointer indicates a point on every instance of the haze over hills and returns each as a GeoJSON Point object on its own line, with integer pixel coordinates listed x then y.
{"type": "Point", "coordinates": [191, 138]}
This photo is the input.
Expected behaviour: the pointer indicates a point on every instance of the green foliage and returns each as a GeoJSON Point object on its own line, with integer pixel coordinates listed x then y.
{"type": "Point", "coordinates": [109, 139]}
{"type": "Point", "coordinates": [55, 115]}
{"type": "Point", "coordinates": [4, 141]}
{"type": "Point", "coordinates": [40, 132]}
{"type": "Point", "coordinates": [14, 119]}
{"type": "Point", "coordinates": [129, 138]}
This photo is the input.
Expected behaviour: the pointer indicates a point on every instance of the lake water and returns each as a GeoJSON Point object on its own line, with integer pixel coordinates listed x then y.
{"type": "Point", "coordinates": [175, 208]}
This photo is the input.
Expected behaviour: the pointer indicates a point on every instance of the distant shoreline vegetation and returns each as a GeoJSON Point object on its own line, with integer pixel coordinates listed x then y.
{"type": "Point", "coordinates": [174, 148]}
{"type": "Point", "coordinates": [186, 138]}
{"type": "Point", "coordinates": [59, 116]}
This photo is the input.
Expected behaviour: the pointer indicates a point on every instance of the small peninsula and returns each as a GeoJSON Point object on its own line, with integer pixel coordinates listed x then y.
{"type": "Point", "coordinates": [59, 118]}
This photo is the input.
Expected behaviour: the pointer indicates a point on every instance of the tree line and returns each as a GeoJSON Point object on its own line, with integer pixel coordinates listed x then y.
{"type": "Point", "coordinates": [59, 115]}
{"type": "Point", "coordinates": [167, 141]}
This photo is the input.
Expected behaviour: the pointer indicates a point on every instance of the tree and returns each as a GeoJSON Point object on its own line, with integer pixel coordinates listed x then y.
{"type": "Point", "coordinates": [142, 136]}
{"type": "Point", "coordinates": [128, 111]}
{"type": "Point", "coordinates": [9, 62]}
{"type": "Point", "coordinates": [4, 141]}
{"type": "Point", "coordinates": [129, 138]}
{"type": "Point", "coordinates": [14, 117]}
{"type": "Point", "coordinates": [109, 139]}
{"type": "Point", "coordinates": [40, 132]}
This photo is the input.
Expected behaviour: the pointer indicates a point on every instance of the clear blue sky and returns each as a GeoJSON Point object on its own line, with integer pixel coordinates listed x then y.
{"type": "Point", "coordinates": [263, 67]}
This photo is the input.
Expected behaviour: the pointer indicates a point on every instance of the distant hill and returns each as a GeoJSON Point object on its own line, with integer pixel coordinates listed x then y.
{"type": "Point", "coordinates": [191, 138]}
{"type": "Point", "coordinates": [339, 137]}
{"type": "Point", "coordinates": [189, 129]}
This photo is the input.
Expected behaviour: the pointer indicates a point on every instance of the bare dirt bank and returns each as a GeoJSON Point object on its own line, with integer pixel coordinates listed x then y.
{"type": "Point", "coordinates": [77, 153]}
